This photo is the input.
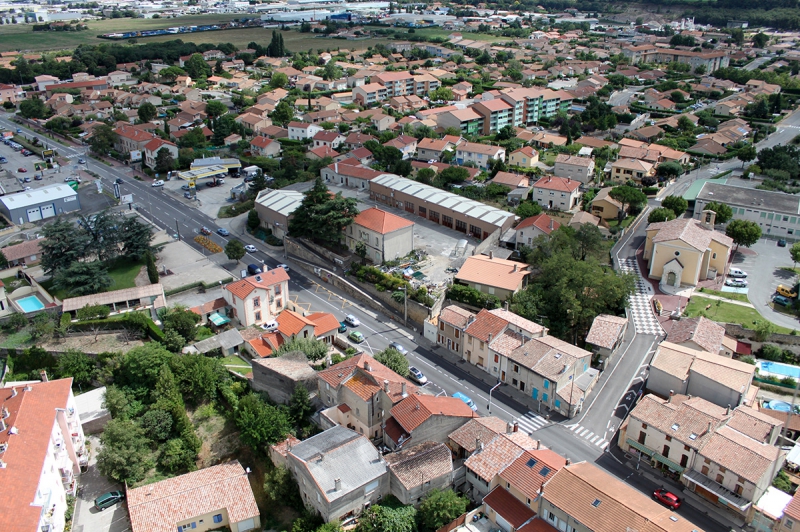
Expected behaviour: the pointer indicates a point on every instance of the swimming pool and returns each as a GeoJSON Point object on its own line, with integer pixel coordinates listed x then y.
{"type": "Point", "coordinates": [780, 369]}
{"type": "Point", "coordinates": [30, 304]}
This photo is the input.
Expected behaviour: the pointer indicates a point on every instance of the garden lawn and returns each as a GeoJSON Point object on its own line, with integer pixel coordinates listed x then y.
{"type": "Point", "coordinates": [123, 274]}
{"type": "Point", "coordinates": [237, 365]}
{"type": "Point", "coordinates": [728, 313]}
{"type": "Point", "coordinates": [727, 295]}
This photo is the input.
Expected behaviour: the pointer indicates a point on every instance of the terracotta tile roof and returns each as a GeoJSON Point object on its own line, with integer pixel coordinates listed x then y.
{"type": "Point", "coordinates": [327, 136]}
{"type": "Point", "coordinates": [23, 250]}
{"type": "Point", "coordinates": [528, 326]}
{"type": "Point", "coordinates": [456, 316]}
{"type": "Point", "coordinates": [507, 506]}
{"type": "Point", "coordinates": [158, 507]}
{"type": "Point", "coordinates": [574, 160]}
{"type": "Point", "coordinates": [381, 221]}
{"type": "Point", "coordinates": [266, 344]}
{"type": "Point", "coordinates": [689, 231]}
{"type": "Point", "coordinates": [603, 195]}
{"type": "Point", "coordinates": [282, 448]}
{"type": "Point", "coordinates": [532, 469]}
{"type": "Point", "coordinates": [433, 144]}
{"type": "Point", "coordinates": [497, 454]}
{"type": "Point", "coordinates": [394, 431]}
{"type": "Point", "coordinates": [731, 373]}
{"type": "Point", "coordinates": [528, 151]}
{"type": "Point", "coordinates": [132, 133]}
{"type": "Point", "coordinates": [606, 330]}
{"type": "Point", "coordinates": [499, 273]}
{"type": "Point", "coordinates": [590, 495]}
{"type": "Point", "coordinates": [560, 184]}
{"type": "Point", "coordinates": [420, 464]}
{"type": "Point", "coordinates": [793, 510]}
{"type": "Point", "coordinates": [414, 410]}
{"type": "Point", "coordinates": [541, 221]}
{"type": "Point", "coordinates": [741, 454]}
{"type": "Point", "coordinates": [367, 381]}
{"type": "Point", "coordinates": [324, 151]}
{"type": "Point", "coordinates": [753, 423]}
{"type": "Point", "coordinates": [33, 415]}
{"type": "Point", "coordinates": [358, 138]}
{"type": "Point", "coordinates": [510, 179]}
{"type": "Point", "coordinates": [548, 356]}
{"type": "Point", "coordinates": [485, 149]}
{"type": "Point", "coordinates": [261, 142]}
{"type": "Point", "coordinates": [210, 306]}
{"type": "Point", "coordinates": [485, 325]}
{"type": "Point", "coordinates": [537, 525]}
{"type": "Point", "coordinates": [702, 331]}
{"type": "Point", "coordinates": [685, 420]}
{"type": "Point", "coordinates": [244, 287]}
{"type": "Point", "coordinates": [482, 429]}
{"type": "Point", "coordinates": [291, 323]}
{"type": "Point", "coordinates": [506, 342]}
{"type": "Point", "coordinates": [324, 322]}
{"type": "Point", "coordinates": [673, 359]}
{"type": "Point", "coordinates": [790, 423]}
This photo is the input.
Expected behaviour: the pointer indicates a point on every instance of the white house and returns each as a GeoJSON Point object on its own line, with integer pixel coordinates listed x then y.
{"type": "Point", "coordinates": [259, 298]}
{"type": "Point", "coordinates": [472, 152]}
{"type": "Point", "coordinates": [303, 131]}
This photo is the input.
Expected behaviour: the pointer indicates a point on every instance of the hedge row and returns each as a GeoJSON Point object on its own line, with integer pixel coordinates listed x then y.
{"type": "Point", "coordinates": [121, 322]}
{"type": "Point", "coordinates": [197, 284]}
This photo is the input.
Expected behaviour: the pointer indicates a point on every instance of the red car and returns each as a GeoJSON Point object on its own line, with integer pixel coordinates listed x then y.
{"type": "Point", "coordinates": [21, 170]}
{"type": "Point", "coordinates": [667, 498]}
{"type": "Point", "coordinates": [205, 230]}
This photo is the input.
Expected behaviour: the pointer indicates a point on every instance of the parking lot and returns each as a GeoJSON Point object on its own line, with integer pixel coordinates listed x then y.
{"type": "Point", "coordinates": [15, 180]}
{"type": "Point", "coordinates": [207, 199]}
{"type": "Point", "coordinates": [87, 518]}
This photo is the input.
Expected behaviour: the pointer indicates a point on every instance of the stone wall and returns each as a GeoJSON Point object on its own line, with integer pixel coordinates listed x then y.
{"type": "Point", "coordinates": [786, 341]}
{"type": "Point", "coordinates": [493, 240]}
{"type": "Point", "coordinates": [314, 253]}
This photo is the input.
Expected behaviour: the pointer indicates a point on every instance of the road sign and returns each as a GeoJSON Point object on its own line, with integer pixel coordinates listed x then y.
{"type": "Point", "coordinates": [47, 153]}
{"type": "Point", "coordinates": [126, 198]}
{"type": "Point", "coordinates": [116, 190]}
{"type": "Point", "coordinates": [99, 186]}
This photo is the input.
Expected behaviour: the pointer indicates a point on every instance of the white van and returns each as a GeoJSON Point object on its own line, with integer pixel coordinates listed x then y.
{"type": "Point", "coordinates": [270, 326]}
{"type": "Point", "coordinates": [736, 273]}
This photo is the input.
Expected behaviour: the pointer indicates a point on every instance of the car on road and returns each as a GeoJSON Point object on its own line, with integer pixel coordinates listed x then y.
{"type": "Point", "coordinates": [351, 320]}
{"type": "Point", "coordinates": [781, 243]}
{"type": "Point", "coordinates": [107, 500]}
{"type": "Point", "coordinates": [253, 269]}
{"type": "Point", "coordinates": [205, 230]}
{"type": "Point", "coordinates": [356, 336]}
{"type": "Point", "coordinates": [72, 178]}
{"type": "Point", "coordinates": [469, 402]}
{"type": "Point", "coordinates": [250, 248]}
{"type": "Point", "coordinates": [159, 183]}
{"type": "Point", "coordinates": [223, 232]}
{"type": "Point", "coordinates": [416, 375]}
{"type": "Point", "coordinates": [81, 160]}
{"type": "Point", "coordinates": [342, 327]}
{"type": "Point", "coordinates": [22, 170]}
{"type": "Point", "coordinates": [737, 273]}
{"type": "Point", "coordinates": [399, 348]}
{"type": "Point", "coordinates": [118, 181]}
{"type": "Point", "coordinates": [736, 283]}
{"type": "Point", "coordinates": [782, 301]}
{"type": "Point", "coordinates": [785, 291]}
{"type": "Point", "coordinates": [3, 160]}
{"type": "Point", "coordinates": [284, 266]}
{"type": "Point", "coordinates": [667, 498]}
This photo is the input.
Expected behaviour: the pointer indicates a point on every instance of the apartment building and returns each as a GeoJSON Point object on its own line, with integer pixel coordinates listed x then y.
{"type": "Point", "coordinates": [450, 327]}
{"type": "Point", "coordinates": [496, 114]}
{"type": "Point", "coordinates": [424, 418]}
{"type": "Point", "coordinates": [42, 448]}
{"type": "Point", "coordinates": [152, 148]}
{"type": "Point", "coordinates": [648, 53]}
{"type": "Point", "coordinates": [130, 139]}
{"type": "Point", "coordinates": [532, 104]}
{"type": "Point", "coordinates": [467, 121]}
{"type": "Point", "coordinates": [370, 94]}
{"type": "Point", "coordinates": [479, 154]}
{"type": "Point", "coordinates": [632, 169]}
{"type": "Point", "coordinates": [405, 83]}
{"type": "Point", "coordinates": [573, 167]}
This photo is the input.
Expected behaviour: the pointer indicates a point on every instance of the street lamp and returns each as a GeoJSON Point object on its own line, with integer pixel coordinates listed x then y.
{"type": "Point", "coordinates": [489, 406]}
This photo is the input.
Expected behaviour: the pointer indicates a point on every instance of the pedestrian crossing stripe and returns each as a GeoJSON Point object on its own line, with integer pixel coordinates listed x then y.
{"type": "Point", "coordinates": [531, 422]}
{"type": "Point", "coordinates": [588, 435]}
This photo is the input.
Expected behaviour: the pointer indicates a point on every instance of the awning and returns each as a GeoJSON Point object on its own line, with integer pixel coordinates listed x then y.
{"type": "Point", "coordinates": [667, 462]}
{"type": "Point", "coordinates": [725, 496]}
{"type": "Point", "coordinates": [218, 319]}
{"type": "Point", "coordinates": [639, 447]}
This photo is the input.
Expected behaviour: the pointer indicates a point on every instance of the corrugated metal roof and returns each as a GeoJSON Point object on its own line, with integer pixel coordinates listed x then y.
{"type": "Point", "coordinates": [37, 196]}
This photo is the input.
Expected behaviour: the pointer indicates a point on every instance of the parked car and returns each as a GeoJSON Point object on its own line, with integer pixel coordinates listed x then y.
{"type": "Point", "coordinates": [785, 291]}
{"type": "Point", "coordinates": [342, 327]}
{"type": "Point", "coordinates": [205, 230]}
{"type": "Point", "coordinates": [159, 183]}
{"type": "Point", "coordinates": [416, 375]}
{"type": "Point", "coordinates": [188, 195]}
{"type": "Point", "coordinates": [185, 187]}
{"type": "Point", "coordinates": [351, 320]}
{"type": "Point", "coordinates": [737, 273]}
{"type": "Point", "coordinates": [211, 184]}
{"type": "Point", "coordinates": [470, 403]}
{"type": "Point", "coordinates": [667, 498]}
{"type": "Point", "coordinates": [38, 177]}
{"type": "Point", "coordinates": [107, 500]}
{"type": "Point", "coordinates": [284, 266]}
{"type": "Point", "coordinates": [253, 269]}
{"type": "Point", "coordinates": [22, 170]}
{"type": "Point", "coordinates": [736, 283]}
{"type": "Point", "coordinates": [782, 301]}
{"type": "Point", "coordinates": [399, 348]}
{"type": "Point", "coordinates": [223, 232]}
{"type": "Point", "coordinates": [3, 160]}
{"type": "Point", "coordinates": [26, 179]}
{"type": "Point", "coordinates": [781, 243]}
{"type": "Point", "coordinates": [270, 326]}
{"type": "Point", "coordinates": [250, 248]}
{"type": "Point", "coordinates": [356, 336]}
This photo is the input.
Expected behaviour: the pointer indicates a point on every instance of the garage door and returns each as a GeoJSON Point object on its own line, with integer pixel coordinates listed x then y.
{"type": "Point", "coordinates": [48, 211]}
{"type": "Point", "coordinates": [34, 214]}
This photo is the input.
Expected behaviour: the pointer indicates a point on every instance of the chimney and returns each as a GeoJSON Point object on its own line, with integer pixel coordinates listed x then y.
{"type": "Point", "coordinates": [567, 461]}
{"type": "Point", "coordinates": [43, 374]}
{"type": "Point", "coordinates": [516, 427]}
{"type": "Point", "coordinates": [404, 393]}
{"type": "Point", "coordinates": [568, 180]}
{"type": "Point", "coordinates": [709, 427]}
{"type": "Point", "coordinates": [367, 366]}
{"type": "Point", "coordinates": [337, 484]}
{"type": "Point", "coordinates": [671, 393]}
{"type": "Point", "coordinates": [386, 386]}
{"type": "Point", "coordinates": [477, 443]}
{"type": "Point", "coordinates": [490, 338]}
{"type": "Point", "coordinates": [552, 224]}
{"type": "Point", "coordinates": [515, 268]}
{"type": "Point", "coordinates": [336, 167]}
{"type": "Point", "coordinates": [491, 255]}
{"type": "Point", "coordinates": [538, 444]}
{"type": "Point", "coordinates": [509, 428]}
{"type": "Point", "coordinates": [505, 305]}
{"type": "Point", "coordinates": [728, 410]}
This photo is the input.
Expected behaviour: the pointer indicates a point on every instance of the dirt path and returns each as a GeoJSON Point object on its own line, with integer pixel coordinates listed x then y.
{"type": "Point", "coordinates": [141, 278]}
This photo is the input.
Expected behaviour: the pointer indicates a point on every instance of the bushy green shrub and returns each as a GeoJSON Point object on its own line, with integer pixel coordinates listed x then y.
{"type": "Point", "coordinates": [475, 298]}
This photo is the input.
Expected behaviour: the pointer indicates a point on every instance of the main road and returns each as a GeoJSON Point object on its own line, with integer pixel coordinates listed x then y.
{"type": "Point", "coordinates": [587, 437]}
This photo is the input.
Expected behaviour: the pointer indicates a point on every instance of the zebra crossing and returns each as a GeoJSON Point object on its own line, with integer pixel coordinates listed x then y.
{"type": "Point", "coordinates": [531, 422]}
{"type": "Point", "coordinates": [595, 439]}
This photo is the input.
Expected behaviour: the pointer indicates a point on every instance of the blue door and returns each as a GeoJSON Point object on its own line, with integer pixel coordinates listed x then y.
{"type": "Point", "coordinates": [544, 397]}
{"type": "Point", "coordinates": [535, 393]}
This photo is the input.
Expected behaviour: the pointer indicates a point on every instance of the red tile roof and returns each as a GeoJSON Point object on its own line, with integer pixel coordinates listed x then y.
{"type": "Point", "coordinates": [324, 322]}
{"type": "Point", "coordinates": [261, 142]}
{"type": "Point", "coordinates": [291, 323]}
{"type": "Point", "coordinates": [486, 324]}
{"type": "Point", "coordinates": [210, 306]}
{"type": "Point", "coordinates": [532, 469]}
{"type": "Point", "coordinates": [541, 221]}
{"type": "Point", "coordinates": [560, 184]}
{"type": "Point", "coordinates": [244, 287]}
{"type": "Point", "coordinates": [414, 410]}
{"type": "Point", "coordinates": [381, 221]}
{"type": "Point", "coordinates": [508, 506]}
{"type": "Point", "coordinates": [494, 272]}
{"type": "Point", "coordinates": [354, 374]}
{"type": "Point", "coordinates": [160, 506]}
{"type": "Point", "coordinates": [266, 344]}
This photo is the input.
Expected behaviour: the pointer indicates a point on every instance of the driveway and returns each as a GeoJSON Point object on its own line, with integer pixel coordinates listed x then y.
{"type": "Point", "coordinates": [87, 518]}
{"type": "Point", "coordinates": [764, 262]}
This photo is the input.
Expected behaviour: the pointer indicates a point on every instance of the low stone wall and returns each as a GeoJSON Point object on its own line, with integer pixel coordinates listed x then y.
{"type": "Point", "coordinates": [313, 253]}
{"type": "Point", "coordinates": [786, 341]}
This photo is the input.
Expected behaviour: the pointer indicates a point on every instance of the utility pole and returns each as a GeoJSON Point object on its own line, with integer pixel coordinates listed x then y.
{"type": "Point", "coordinates": [489, 406]}
{"type": "Point", "coordinates": [177, 229]}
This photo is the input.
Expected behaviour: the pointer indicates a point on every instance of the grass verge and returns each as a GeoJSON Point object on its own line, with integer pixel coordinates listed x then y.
{"type": "Point", "coordinates": [727, 295]}
{"type": "Point", "coordinates": [721, 311]}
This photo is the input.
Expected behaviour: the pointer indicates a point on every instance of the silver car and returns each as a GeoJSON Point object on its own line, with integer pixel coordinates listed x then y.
{"type": "Point", "coordinates": [416, 375]}
{"type": "Point", "coordinates": [399, 348]}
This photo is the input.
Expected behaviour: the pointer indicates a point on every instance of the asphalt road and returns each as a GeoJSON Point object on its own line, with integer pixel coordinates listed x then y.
{"type": "Point", "coordinates": [576, 439]}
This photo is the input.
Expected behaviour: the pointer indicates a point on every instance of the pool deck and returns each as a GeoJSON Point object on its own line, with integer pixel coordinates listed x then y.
{"type": "Point", "coordinates": [42, 304]}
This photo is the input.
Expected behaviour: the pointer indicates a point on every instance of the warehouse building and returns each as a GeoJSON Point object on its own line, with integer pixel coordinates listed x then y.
{"type": "Point", "coordinates": [445, 208]}
{"type": "Point", "coordinates": [275, 208]}
{"type": "Point", "coordinates": [39, 204]}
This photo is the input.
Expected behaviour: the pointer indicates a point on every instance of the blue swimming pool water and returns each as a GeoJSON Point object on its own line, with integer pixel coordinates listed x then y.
{"type": "Point", "coordinates": [780, 369]}
{"type": "Point", "coordinates": [30, 303]}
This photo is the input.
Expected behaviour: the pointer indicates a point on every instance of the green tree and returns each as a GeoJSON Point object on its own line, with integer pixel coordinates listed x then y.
{"type": "Point", "coordinates": [684, 122]}
{"type": "Point", "coordinates": [78, 365]}
{"type": "Point", "coordinates": [783, 482]}
{"type": "Point", "coordinates": [3, 261]}
{"type": "Point", "coordinates": [746, 154]}
{"type": "Point", "coordinates": [442, 93]}
{"type": "Point", "coordinates": [253, 221]}
{"type": "Point", "coordinates": [182, 320]}
{"type": "Point", "coordinates": [360, 249]}
{"type": "Point", "coordinates": [234, 250]}
{"type": "Point", "coordinates": [196, 67]}
{"type": "Point", "coordinates": [215, 108]}
{"type": "Point", "coordinates": [142, 366]}
{"type": "Point", "coordinates": [83, 278]}
{"type": "Point", "coordinates": [260, 423]}
{"type": "Point", "coordinates": [176, 456]}
{"type": "Point", "coordinates": [589, 241]}
{"type": "Point", "coordinates": [441, 507]}
{"type": "Point", "coordinates": [700, 70]}
{"type": "Point", "coordinates": [283, 113]}
{"type": "Point", "coordinates": [669, 170]}
{"type": "Point", "coordinates": [157, 424]}
{"type": "Point", "coordinates": [125, 455]}
{"type": "Point", "coordinates": [724, 212]}
{"type": "Point", "coordinates": [661, 214]}
{"type": "Point", "coordinates": [794, 252]}
{"type": "Point", "coordinates": [300, 404]}
{"type": "Point", "coordinates": [385, 519]}
{"type": "Point", "coordinates": [170, 73]}
{"type": "Point", "coordinates": [103, 139]}
{"type": "Point", "coordinates": [630, 197]}
{"type": "Point", "coordinates": [743, 232]}
{"type": "Point", "coordinates": [62, 245]}
{"type": "Point", "coordinates": [173, 341]}
{"type": "Point", "coordinates": [313, 349]}
{"type": "Point", "coordinates": [258, 184]}
{"type": "Point", "coordinates": [164, 161]}
{"type": "Point", "coordinates": [394, 360]}
{"type": "Point", "coordinates": [281, 488]}
{"type": "Point", "coordinates": [322, 217]}
{"type": "Point", "coordinates": [676, 204]}
{"type": "Point", "coordinates": [33, 108]}
{"type": "Point", "coordinates": [147, 112]}
{"type": "Point", "coordinates": [278, 80]}
{"type": "Point", "coordinates": [453, 174]}
{"type": "Point", "coordinates": [135, 237]}
{"type": "Point", "coordinates": [526, 209]}
{"type": "Point", "coordinates": [760, 40]}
